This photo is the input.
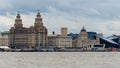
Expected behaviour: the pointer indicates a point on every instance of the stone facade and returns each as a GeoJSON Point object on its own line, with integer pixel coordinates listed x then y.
{"type": "Point", "coordinates": [83, 40]}
{"type": "Point", "coordinates": [3, 39]}
{"type": "Point", "coordinates": [60, 41]}
{"type": "Point", "coordinates": [21, 37]}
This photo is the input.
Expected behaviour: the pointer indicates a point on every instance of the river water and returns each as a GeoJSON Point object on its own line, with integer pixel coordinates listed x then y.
{"type": "Point", "coordinates": [59, 59]}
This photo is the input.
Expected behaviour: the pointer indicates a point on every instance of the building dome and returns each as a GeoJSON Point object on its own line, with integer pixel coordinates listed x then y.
{"type": "Point", "coordinates": [83, 29]}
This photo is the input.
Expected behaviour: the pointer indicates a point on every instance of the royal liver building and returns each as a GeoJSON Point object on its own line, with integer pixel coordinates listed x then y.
{"type": "Point", "coordinates": [21, 37]}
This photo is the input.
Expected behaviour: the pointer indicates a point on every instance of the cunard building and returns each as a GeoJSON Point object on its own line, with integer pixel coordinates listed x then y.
{"type": "Point", "coordinates": [23, 38]}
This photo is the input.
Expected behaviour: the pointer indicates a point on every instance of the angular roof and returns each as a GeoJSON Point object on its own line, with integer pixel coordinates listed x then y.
{"type": "Point", "coordinates": [109, 40]}
{"type": "Point", "coordinates": [112, 37]}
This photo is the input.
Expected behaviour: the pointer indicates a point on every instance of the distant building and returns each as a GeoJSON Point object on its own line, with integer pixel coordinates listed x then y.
{"type": "Point", "coordinates": [60, 41]}
{"type": "Point", "coordinates": [111, 41]}
{"type": "Point", "coordinates": [4, 39]}
{"type": "Point", "coordinates": [115, 38]}
{"type": "Point", "coordinates": [97, 47]}
{"type": "Point", "coordinates": [100, 35]}
{"type": "Point", "coordinates": [74, 36]}
{"type": "Point", "coordinates": [74, 39]}
{"type": "Point", "coordinates": [90, 36]}
{"type": "Point", "coordinates": [21, 37]}
{"type": "Point", "coordinates": [86, 40]}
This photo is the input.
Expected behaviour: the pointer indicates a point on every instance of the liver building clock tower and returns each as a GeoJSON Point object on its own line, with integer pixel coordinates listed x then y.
{"type": "Point", "coordinates": [21, 37]}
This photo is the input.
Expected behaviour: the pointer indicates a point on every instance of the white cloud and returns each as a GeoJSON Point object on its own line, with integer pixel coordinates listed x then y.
{"type": "Point", "coordinates": [6, 21]}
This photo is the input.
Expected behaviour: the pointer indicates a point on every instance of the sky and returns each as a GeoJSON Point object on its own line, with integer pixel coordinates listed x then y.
{"type": "Point", "coordinates": [101, 16]}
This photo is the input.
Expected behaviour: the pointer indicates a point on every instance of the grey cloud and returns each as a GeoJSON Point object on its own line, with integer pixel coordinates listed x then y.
{"type": "Point", "coordinates": [104, 9]}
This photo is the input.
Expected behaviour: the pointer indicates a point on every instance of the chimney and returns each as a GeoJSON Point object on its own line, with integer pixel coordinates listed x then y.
{"type": "Point", "coordinates": [53, 33]}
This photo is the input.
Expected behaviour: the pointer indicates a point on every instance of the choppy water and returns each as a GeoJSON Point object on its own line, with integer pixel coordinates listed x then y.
{"type": "Point", "coordinates": [59, 60]}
